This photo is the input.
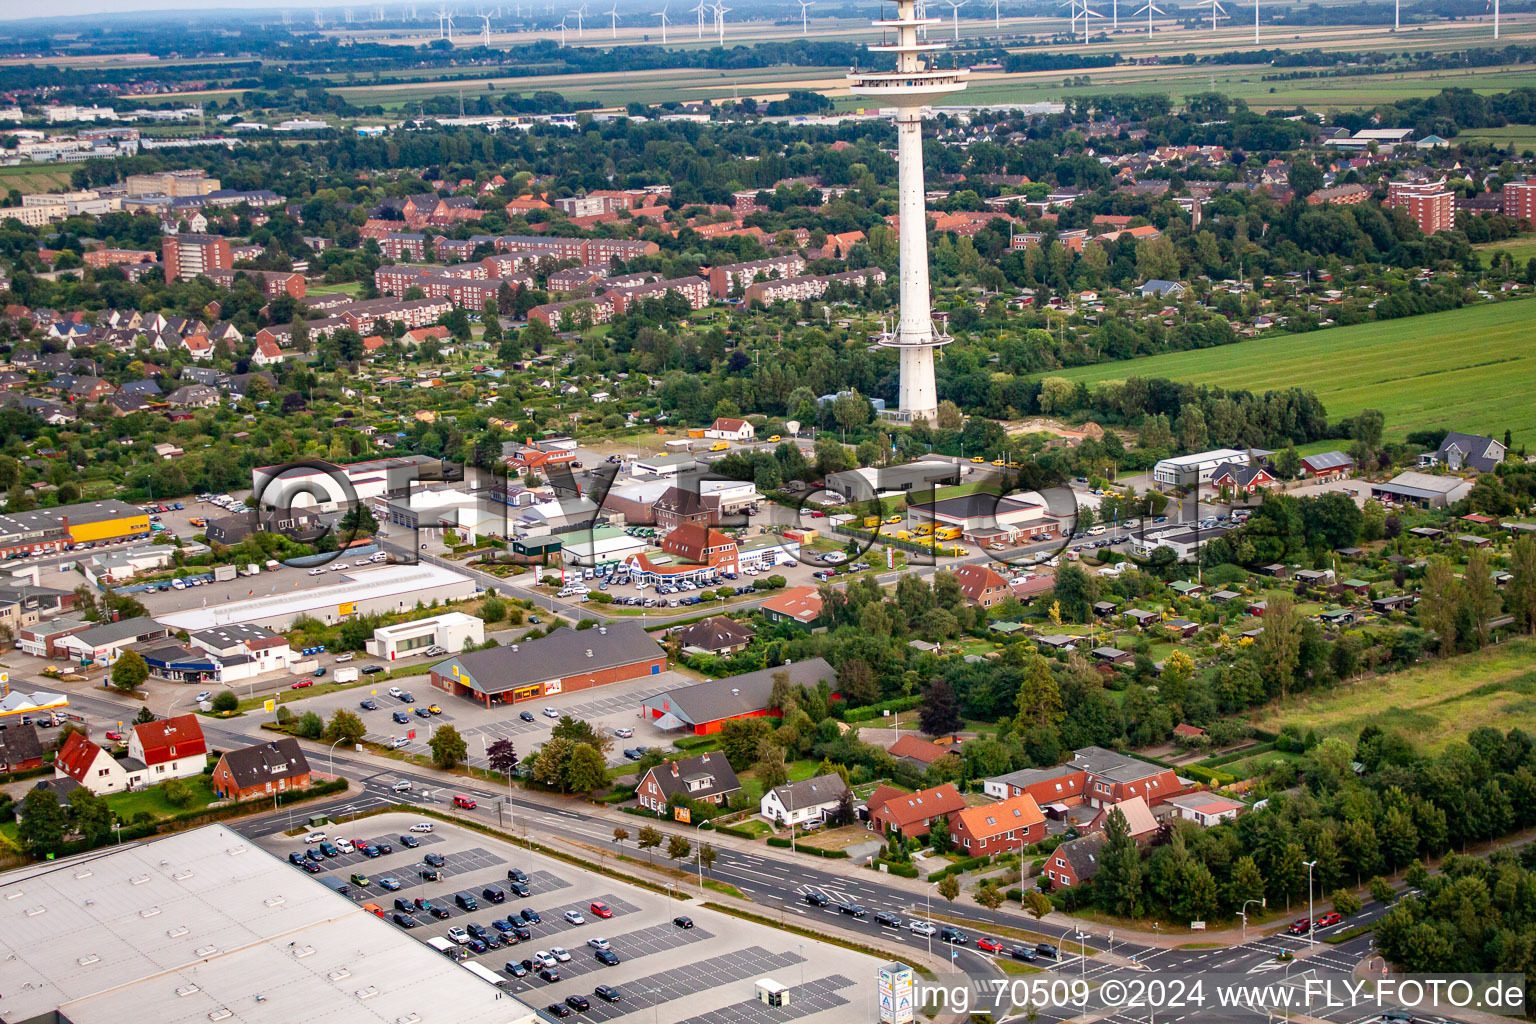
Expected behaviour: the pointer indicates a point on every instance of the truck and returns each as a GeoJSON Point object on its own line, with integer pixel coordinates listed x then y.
{"type": "Point", "coordinates": [223, 573]}
{"type": "Point", "coordinates": [947, 533]}
{"type": "Point", "coordinates": [346, 675]}
{"type": "Point", "coordinates": [924, 529]}
{"type": "Point", "coordinates": [870, 522]}
{"type": "Point", "coordinates": [251, 569]}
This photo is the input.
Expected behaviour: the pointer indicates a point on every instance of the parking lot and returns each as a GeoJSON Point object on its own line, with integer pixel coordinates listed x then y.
{"type": "Point", "coordinates": [609, 707]}
{"type": "Point", "coordinates": [703, 974]}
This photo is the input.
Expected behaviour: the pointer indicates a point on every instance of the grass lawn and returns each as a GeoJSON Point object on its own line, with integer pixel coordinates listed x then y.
{"type": "Point", "coordinates": [153, 799]}
{"type": "Point", "coordinates": [1247, 767]}
{"type": "Point", "coordinates": [1460, 370]}
{"type": "Point", "coordinates": [344, 287]}
{"type": "Point", "coordinates": [1434, 705]}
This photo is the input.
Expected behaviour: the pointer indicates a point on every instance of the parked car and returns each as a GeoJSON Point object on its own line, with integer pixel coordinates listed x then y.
{"type": "Point", "coordinates": [410, 842]}
{"type": "Point", "coordinates": [683, 921]}
{"type": "Point", "coordinates": [530, 915]}
{"type": "Point", "coordinates": [434, 860]}
{"type": "Point", "coordinates": [389, 883]}
{"type": "Point", "coordinates": [601, 909]}
{"type": "Point", "coordinates": [574, 917]}
{"type": "Point", "coordinates": [369, 705]}
{"type": "Point", "coordinates": [607, 993]}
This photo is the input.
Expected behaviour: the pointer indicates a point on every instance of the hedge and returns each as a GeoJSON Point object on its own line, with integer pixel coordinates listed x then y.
{"type": "Point", "coordinates": [1236, 755]}
{"type": "Point", "coordinates": [960, 867]}
{"type": "Point", "coordinates": [901, 870]}
{"type": "Point", "coordinates": [782, 843]}
{"type": "Point", "coordinates": [737, 831]}
{"type": "Point", "coordinates": [870, 711]}
{"type": "Point", "coordinates": [1194, 771]}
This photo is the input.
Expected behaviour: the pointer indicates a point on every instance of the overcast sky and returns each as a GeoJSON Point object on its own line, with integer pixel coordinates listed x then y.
{"type": "Point", "coordinates": [15, 10]}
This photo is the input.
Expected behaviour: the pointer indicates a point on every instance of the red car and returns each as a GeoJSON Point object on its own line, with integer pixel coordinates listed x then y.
{"type": "Point", "coordinates": [1331, 918]}
{"type": "Point", "coordinates": [463, 801]}
{"type": "Point", "coordinates": [115, 735]}
{"type": "Point", "coordinates": [600, 909]}
{"type": "Point", "coordinates": [991, 945]}
{"type": "Point", "coordinates": [1301, 926]}
{"type": "Point", "coordinates": [301, 684]}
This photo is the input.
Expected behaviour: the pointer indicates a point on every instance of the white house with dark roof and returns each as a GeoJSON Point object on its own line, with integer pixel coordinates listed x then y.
{"type": "Point", "coordinates": [1465, 451]}
{"type": "Point", "coordinates": [796, 803]}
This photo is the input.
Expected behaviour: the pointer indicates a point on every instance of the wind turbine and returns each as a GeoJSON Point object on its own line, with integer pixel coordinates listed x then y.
{"type": "Point", "coordinates": [1217, 11]}
{"type": "Point", "coordinates": [319, 22]}
{"type": "Point", "coordinates": [954, 7]}
{"type": "Point", "coordinates": [346, 15]}
{"type": "Point", "coordinates": [613, 19]}
{"type": "Point", "coordinates": [804, 24]}
{"type": "Point", "coordinates": [485, 32]}
{"type": "Point", "coordinates": [1151, 9]}
{"type": "Point", "coordinates": [443, 21]}
{"type": "Point", "coordinates": [720, 12]}
{"type": "Point", "coordinates": [997, 15]}
{"type": "Point", "coordinates": [699, 10]}
{"type": "Point", "coordinates": [1256, 21]}
{"type": "Point", "coordinates": [663, 17]}
{"type": "Point", "coordinates": [1495, 5]}
{"type": "Point", "coordinates": [562, 33]}
{"type": "Point", "coordinates": [579, 12]}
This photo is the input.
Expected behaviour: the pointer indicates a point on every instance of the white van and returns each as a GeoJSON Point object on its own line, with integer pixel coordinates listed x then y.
{"type": "Point", "coordinates": [1094, 531]}
{"type": "Point", "coordinates": [345, 846]}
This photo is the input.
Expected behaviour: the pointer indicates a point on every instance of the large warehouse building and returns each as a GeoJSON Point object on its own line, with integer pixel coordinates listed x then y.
{"type": "Point", "coordinates": [385, 589]}
{"type": "Point", "coordinates": [203, 926]}
{"type": "Point", "coordinates": [704, 708]}
{"type": "Point", "coordinates": [565, 660]}
{"type": "Point", "coordinates": [43, 530]}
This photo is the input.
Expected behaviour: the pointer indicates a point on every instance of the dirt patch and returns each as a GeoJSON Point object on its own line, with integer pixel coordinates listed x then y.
{"type": "Point", "coordinates": [1042, 425]}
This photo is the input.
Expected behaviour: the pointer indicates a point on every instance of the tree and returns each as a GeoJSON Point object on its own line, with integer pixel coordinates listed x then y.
{"type": "Point", "coordinates": [310, 725]}
{"type": "Point", "coordinates": [588, 771]}
{"type": "Point", "coordinates": [1479, 595]}
{"type": "Point", "coordinates": [1075, 592]}
{"type": "Point", "coordinates": [92, 817]}
{"type": "Point", "coordinates": [130, 671]}
{"type": "Point", "coordinates": [1305, 178]}
{"type": "Point", "coordinates": [225, 701]}
{"type": "Point", "coordinates": [1279, 646]}
{"type": "Point", "coordinates": [938, 835]}
{"type": "Point", "coordinates": [501, 756]}
{"type": "Point", "coordinates": [1381, 890]}
{"type": "Point", "coordinates": [678, 847]}
{"type": "Point", "coordinates": [1345, 902]}
{"type": "Point", "coordinates": [553, 762]}
{"type": "Point", "coordinates": [649, 838]}
{"type": "Point", "coordinates": [989, 896]}
{"type": "Point", "coordinates": [771, 769]}
{"type": "Point", "coordinates": [1037, 903]}
{"type": "Point", "coordinates": [1440, 603]}
{"type": "Point", "coordinates": [41, 825]}
{"type": "Point", "coordinates": [144, 716]}
{"type": "Point", "coordinates": [581, 731]}
{"type": "Point", "coordinates": [706, 857]}
{"type": "Point", "coordinates": [448, 747]}
{"type": "Point", "coordinates": [949, 887]}
{"type": "Point", "coordinates": [1039, 700]}
{"type": "Point", "coordinates": [620, 835]}
{"type": "Point", "coordinates": [739, 740]}
{"type": "Point", "coordinates": [939, 713]}
{"type": "Point", "coordinates": [1522, 588]}
{"type": "Point", "coordinates": [1245, 884]}
{"type": "Point", "coordinates": [1118, 882]}
{"type": "Point", "coordinates": [178, 793]}
{"type": "Point", "coordinates": [1290, 873]}
{"type": "Point", "coordinates": [345, 727]}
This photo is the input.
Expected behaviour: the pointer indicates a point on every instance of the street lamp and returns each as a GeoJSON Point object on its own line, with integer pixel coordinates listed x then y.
{"type": "Point", "coordinates": [1244, 913]}
{"type": "Point", "coordinates": [1311, 921]}
{"type": "Point", "coordinates": [333, 755]}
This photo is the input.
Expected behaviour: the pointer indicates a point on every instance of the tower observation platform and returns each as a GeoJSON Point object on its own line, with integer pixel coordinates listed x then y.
{"type": "Point", "coordinates": [913, 84]}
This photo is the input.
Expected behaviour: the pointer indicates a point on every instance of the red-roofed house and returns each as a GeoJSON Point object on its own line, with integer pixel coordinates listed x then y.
{"type": "Point", "coordinates": [798, 605]}
{"type": "Point", "coordinates": [1206, 809]}
{"type": "Point", "coordinates": [728, 429]}
{"type": "Point", "coordinates": [172, 748]}
{"type": "Point", "coordinates": [436, 332]}
{"type": "Point", "coordinates": [267, 353]}
{"type": "Point", "coordinates": [998, 827]}
{"type": "Point", "coordinates": [911, 814]}
{"type": "Point", "coordinates": [1139, 816]}
{"type": "Point", "coordinates": [981, 585]}
{"type": "Point", "coordinates": [838, 245]}
{"type": "Point", "coordinates": [923, 752]}
{"type": "Point", "coordinates": [95, 769]}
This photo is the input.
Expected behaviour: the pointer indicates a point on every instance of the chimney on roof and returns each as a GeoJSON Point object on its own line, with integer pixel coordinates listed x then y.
{"type": "Point", "coordinates": [589, 652]}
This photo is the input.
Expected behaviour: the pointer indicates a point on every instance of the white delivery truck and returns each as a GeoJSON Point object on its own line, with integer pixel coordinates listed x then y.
{"type": "Point", "coordinates": [345, 675]}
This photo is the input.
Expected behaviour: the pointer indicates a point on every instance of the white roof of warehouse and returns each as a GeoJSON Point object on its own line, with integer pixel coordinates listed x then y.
{"type": "Point", "coordinates": [356, 585]}
{"type": "Point", "coordinates": [200, 926]}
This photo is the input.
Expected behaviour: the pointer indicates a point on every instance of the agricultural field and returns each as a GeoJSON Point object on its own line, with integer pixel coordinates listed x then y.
{"type": "Point", "coordinates": [34, 178]}
{"type": "Point", "coordinates": [1521, 250]}
{"type": "Point", "coordinates": [1467, 369]}
{"type": "Point", "coordinates": [1520, 137]}
{"type": "Point", "coordinates": [1433, 705]}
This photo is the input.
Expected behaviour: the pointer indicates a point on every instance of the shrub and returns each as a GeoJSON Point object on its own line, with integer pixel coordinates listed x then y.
{"type": "Point", "coordinates": [225, 701]}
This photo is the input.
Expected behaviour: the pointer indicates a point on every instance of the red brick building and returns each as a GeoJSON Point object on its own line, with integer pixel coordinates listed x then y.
{"type": "Point", "coordinates": [261, 770]}
{"type": "Point", "coordinates": [187, 256]}
{"type": "Point", "coordinates": [1427, 202]}
{"type": "Point", "coordinates": [982, 586]}
{"type": "Point", "coordinates": [1095, 776]}
{"type": "Point", "coordinates": [563, 661]}
{"type": "Point", "coordinates": [912, 814]}
{"type": "Point", "coordinates": [1001, 827]}
{"type": "Point", "coordinates": [1520, 200]}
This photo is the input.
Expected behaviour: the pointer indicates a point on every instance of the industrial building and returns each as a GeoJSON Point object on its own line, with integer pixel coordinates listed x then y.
{"type": "Point", "coordinates": [452, 631]}
{"type": "Point", "coordinates": [331, 486]}
{"type": "Point", "coordinates": [1193, 470]}
{"type": "Point", "coordinates": [202, 925]}
{"type": "Point", "coordinates": [564, 660]}
{"type": "Point", "coordinates": [385, 589]}
{"type": "Point", "coordinates": [704, 708]}
{"type": "Point", "coordinates": [104, 644]}
{"type": "Point", "coordinates": [45, 530]}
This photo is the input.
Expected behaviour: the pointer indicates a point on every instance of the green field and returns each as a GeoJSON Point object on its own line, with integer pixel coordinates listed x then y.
{"type": "Point", "coordinates": [1520, 250]}
{"type": "Point", "coordinates": [1434, 705]}
{"type": "Point", "coordinates": [1520, 137]}
{"type": "Point", "coordinates": [1469, 369]}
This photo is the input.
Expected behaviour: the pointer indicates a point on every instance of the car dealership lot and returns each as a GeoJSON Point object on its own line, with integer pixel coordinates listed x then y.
{"type": "Point", "coordinates": [703, 974]}
{"type": "Point", "coordinates": [609, 707]}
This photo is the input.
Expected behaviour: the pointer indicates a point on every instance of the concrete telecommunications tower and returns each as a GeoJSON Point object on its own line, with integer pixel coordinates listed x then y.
{"type": "Point", "coordinates": [914, 83]}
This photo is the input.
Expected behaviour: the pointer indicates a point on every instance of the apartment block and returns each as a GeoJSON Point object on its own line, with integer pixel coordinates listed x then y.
{"type": "Point", "coordinates": [187, 256]}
